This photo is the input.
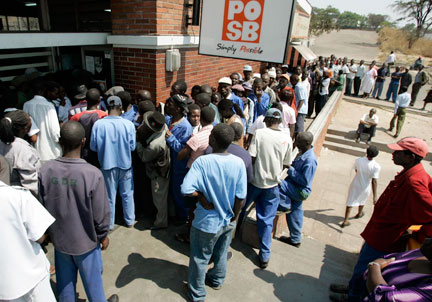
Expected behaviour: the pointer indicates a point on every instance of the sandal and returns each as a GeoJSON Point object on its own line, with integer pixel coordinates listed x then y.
{"type": "Point", "coordinates": [359, 215]}
{"type": "Point", "coordinates": [182, 237]}
{"type": "Point", "coordinates": [345, 224]}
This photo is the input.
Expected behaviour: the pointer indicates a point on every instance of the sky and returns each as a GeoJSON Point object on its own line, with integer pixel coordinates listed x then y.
{"type": "Point", "coordinates": [362, 7]}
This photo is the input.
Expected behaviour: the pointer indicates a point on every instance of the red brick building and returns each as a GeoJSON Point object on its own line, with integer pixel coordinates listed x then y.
{"type": "Point", "coordinates": [123, 42]}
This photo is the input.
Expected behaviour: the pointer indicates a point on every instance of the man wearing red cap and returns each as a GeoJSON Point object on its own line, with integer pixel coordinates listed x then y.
{"type": "Point", "coordinates": [406, 201]}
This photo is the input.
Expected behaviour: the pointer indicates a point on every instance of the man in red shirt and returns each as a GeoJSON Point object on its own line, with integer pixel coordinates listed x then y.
{"type": "Point", "coordinates": [406, 201]}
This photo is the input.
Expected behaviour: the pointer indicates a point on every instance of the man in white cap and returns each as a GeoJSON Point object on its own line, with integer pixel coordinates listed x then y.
{"type": "Point", "coordinates": [224, 89]}
{"type": "Point", "coordinates": [247, 72]}
{"type": "Point", "coordinates": [285, 69]}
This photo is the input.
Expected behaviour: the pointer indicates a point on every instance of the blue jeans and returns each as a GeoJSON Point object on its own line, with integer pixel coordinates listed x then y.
{"type": "Point", "coordinates": [123, 180]}
{"type": "Point", "coordinates": [392, 91]}
{"type": "Point", "coordinates": [299, 125]}
{"type": "Point", "coordinates": [202, 247]}
{"type": "Point", "coordinates": [90, 267]}
{"type": "Point", "coordinates": [357, 286]}
{"type": "Point", "coordinates": [182, 209]}
{"type": "Point", "coordinates": [290, 199]}
{"type": "Point", "coordinates": [267, 202]}
{"type": "Point", "coordinates": [378, 89]}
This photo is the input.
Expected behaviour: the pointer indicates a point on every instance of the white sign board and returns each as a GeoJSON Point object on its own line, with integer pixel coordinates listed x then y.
{"type": "Point", "coordinates": [255, 30]}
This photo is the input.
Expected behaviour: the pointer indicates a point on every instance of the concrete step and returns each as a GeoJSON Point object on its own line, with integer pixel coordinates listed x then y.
{"type": "Point", "coordinates": [348, 139]}
{"type": "Point", "coordinates": [344, 141]}
{"type": "Point", "coordinates": [346, 149]}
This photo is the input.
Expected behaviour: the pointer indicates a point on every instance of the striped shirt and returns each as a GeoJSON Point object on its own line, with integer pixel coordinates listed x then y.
{"type": "Point", "coordinates": [199, 143]}
{"type": "Point", "coordinates": [402, 285]}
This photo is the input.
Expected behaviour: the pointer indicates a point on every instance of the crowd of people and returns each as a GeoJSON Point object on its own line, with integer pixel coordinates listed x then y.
{"type": "Point", "coordinates": [68, 149]}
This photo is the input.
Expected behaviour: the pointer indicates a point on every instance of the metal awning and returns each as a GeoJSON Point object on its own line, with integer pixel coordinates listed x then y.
{"type": "Point", "coordinates": [305, 52]}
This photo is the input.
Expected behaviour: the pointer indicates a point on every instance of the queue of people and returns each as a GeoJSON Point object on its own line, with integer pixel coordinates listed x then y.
{"type": "Point", "coordinates": [204, 156]}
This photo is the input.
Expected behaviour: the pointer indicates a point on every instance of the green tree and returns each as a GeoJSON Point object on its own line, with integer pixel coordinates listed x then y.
{"type": "Point", "coordinates": [324, 20]}
{"type": "Point", "coordinates": [419, 11]}
{"type": "Point", "coordinates": [350, 20]}
{"type": "Point", "coordinates": [375, 20]}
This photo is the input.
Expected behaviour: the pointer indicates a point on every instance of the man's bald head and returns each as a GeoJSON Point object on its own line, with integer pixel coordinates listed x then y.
{"type": "Point", "coordinates": [295, 78]}
{"type": "Point", "coordinates": [304, 141]}
{"type": "Point", "coordinates": [203, 100]}
{"type": "Point", "coordinates": [72, 135]}
{"type": "Point", "coordinates": [92, 97]}
{"type": "Point", "coordinates": [206, 89]}
{"type": "Point", "coordinates": [144, 95]}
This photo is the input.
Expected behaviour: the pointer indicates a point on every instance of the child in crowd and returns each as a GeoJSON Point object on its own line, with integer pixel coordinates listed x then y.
{"type": "Point", "coordinates": [193, 117]}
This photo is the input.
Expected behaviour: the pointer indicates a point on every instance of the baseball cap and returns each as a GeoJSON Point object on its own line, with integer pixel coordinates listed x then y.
{"type": "Point", "coordinates": [225, 80]}
{"type": "Point", "coordinates": [257, 75]}
{"type": "Point", "coordinates": [238, 87]}
{"type": "Point", "coordinates": [247, 86]}
{"type": "Point", "coordinates": [272, 74]}
{"type": "Point", "coordinates": [273, 112]}
{"type": "Point", "coordinates": [284, 66]}
{"type": "Point", "coordinates": [413, 144]}
{"type": "Point", "coordinates": [247, 68]}
{"type": "Point", "coordinates": [114, 101]}
{"type": "Point", "coordinates": [285, 76]}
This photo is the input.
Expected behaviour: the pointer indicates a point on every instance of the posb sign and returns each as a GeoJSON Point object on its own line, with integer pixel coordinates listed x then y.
{"type": "Point", "coordinates": [243, 20]}
{"type": "Point", "coordinates": [246, 29]}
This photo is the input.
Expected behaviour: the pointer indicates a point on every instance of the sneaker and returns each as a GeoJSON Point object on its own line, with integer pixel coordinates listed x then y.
{"type": "Point", "coordinates": [113, 298]}
{"type": "Point", "coordinates": [368, 142]}
{"type": "Point", "coordinates": [338, 297]}
{"type": "Point", "coordinates": [288, 240]}
{"type": "Point", "coordinates": [209, 284]}
{"type": "Point", "coordinates": [229, 255]}
{"type": "Point", "coordinates": [129, 226]}
{"type": "Point", "coordinates": [339, 288]}
{"type": "Point", "coordinates": [357, 140]}
{"type": "Point", "coordinates": [262, 264]}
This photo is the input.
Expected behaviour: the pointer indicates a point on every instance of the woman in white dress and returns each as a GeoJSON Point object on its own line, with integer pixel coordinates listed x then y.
{"type": "Point", "coordinates": [367, 172]}
{"type": "Point", "coordinates": [368, 81]}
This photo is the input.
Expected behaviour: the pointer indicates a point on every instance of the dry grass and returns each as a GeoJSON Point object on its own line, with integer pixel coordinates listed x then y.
{"type": "Point", "coordinates": [396, 40]}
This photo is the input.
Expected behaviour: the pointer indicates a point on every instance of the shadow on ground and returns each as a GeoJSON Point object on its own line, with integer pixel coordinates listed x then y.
{"type": "Point", "coordinates": [166, 274]}
{"type": "Point", "coordinates": [299, 287]}
{"type": "Point", "coordinates": [329, 220]}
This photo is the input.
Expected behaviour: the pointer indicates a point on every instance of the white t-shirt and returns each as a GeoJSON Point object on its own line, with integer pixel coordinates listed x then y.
{"type": "Point", "coordinates": [391, 58]}
{"type": "Point", "coordinates": [288, 115]}
{"type": "Point", "coordinates": [23, 220]}
{"type": "Point", "coordinates": [368, 119]}
{"type": "Point", "coordinates": [272, 149]}
{"type": "Point", "coordinates": [360, 187]}
{"type": "Point", "coordinates": [361, 70]}
{"type": "Point", "coordinates": [325, 87]}
{"type": "Point", "coordinates": [353, 70]}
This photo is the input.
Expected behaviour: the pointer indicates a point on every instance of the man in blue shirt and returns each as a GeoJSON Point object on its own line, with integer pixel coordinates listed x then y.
{"type": "Point", "coordinates": [179, 132]}
{"type": "Point", "coordinates": [297, 187]}
{"type": "Point", "coordinates": [130, 108]}
{"type": "Point", "coordinates": [301, 102]}
{"type": "Point", "coordinates": [260, 98]}
{"type": "Point", "coordinates": [224, 89]}
{"type": "Point", "coordinates": [392, 90]}
{"type": "Point", "coordinates": [113, 138]}
{"type": "Point", "coordinates": [219, 182]}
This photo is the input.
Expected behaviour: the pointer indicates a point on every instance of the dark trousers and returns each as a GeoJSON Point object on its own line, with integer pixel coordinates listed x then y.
{"type": "Point", "coordinates": [357, 83]}
{"type": "Point", "coordinates": [414, 92]}
{"type": "Point", "coordinates": [362, 129]}
{"type": "Point", "coordinates": [321, 101]}
{"type": "Point", "coordinates": [311, 103]}
{"type": "Point", "coordinates": [348, 87]}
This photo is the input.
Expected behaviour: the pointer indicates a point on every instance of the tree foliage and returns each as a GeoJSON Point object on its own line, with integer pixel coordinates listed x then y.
{"type": "Point", "coordinates": [324, 20]}
{"type": "Point", "coordinates": [419, 11]}
{"type": "Point", "coordinates": [327, 19]}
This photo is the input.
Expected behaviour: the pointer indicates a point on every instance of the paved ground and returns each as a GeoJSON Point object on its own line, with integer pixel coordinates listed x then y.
{"type": "Point", "coordinates": [354, 44]}
{"type": "Point", "coordinates": [144, 265]}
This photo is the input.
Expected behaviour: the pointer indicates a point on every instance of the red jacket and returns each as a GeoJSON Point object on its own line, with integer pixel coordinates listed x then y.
{"type": "Point", "coordinates": [406, 201]}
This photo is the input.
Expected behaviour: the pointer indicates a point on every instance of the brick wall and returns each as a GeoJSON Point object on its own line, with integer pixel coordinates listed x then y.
{"type": "Point", "coordinates": [133, 17]}
{"type": "Point", "coordinates": [171, 18]}
{"type": "Point", "coordinates": [135, 69]}
{"type": "Point", "coordinates": [196, 70]}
